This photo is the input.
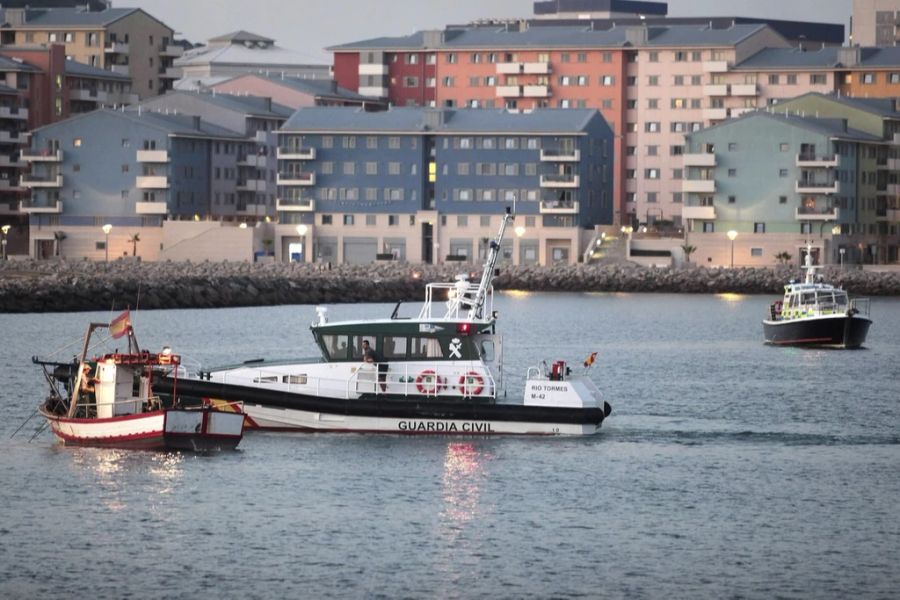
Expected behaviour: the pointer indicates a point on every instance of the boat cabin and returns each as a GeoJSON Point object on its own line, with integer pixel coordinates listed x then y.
{"type": "Point", "coordinates": [811, 299]}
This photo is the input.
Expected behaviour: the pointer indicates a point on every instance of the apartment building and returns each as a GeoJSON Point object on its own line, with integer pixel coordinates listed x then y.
{"type": "Point", "coordinates": [244, 189]}
{"type": "Point", "coordinates": [429, 185]}
{"type": "Point", "coordinates": [239, 52]}
{"type": "Point", "coordinates": [127, 41]}
{"type": "Point", "coordinates": [650, 83]}
{"type": "Point", "coordinates": [818, 169]}
{"type": "Point", "coordinates": [90, 88]}
{"type": "Point", "coordinates": [130, 169]}
{"type": "Point", "coordinates": [875, 23]}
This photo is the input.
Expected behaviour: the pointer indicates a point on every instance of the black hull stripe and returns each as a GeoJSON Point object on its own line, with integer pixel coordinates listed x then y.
{"type": "Point", "coordinates": [381, 406]}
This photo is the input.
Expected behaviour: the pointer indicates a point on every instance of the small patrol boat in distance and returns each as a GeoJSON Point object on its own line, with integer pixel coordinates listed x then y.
{"type": "Point", "coordinates": [110, 401]}
{"type": "Point", "coordinates": [814, 313]}
{"type": "Point", "coordinates": [438, 373]}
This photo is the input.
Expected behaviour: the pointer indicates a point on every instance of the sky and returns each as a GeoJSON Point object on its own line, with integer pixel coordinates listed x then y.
{"type": "Point", "coordinates": [308, 26]}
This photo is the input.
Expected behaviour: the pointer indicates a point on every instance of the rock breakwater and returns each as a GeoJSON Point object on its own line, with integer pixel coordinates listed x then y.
{"type": "Point", "coordinates": [58, 286]}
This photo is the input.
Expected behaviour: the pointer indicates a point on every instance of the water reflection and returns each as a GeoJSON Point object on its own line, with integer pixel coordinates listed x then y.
{"type": "Point", "coordinates": [731, 297]}
{"type": "Point", "coordinates": [464, 474]}
{"type": "Point", "coordinates": [115, 473]}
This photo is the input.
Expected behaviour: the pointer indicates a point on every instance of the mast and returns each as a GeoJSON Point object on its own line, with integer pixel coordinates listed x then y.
{"type": "Point", "coordinates": [808, 266]}
{"type": "Point", "coordinates": [490, 264]}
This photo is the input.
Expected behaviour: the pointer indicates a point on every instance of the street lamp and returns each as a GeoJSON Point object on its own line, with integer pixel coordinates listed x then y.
{"type": "Point", "coordinates": [732, 235]}
{"type": "Point", "coordinates": [5, 230]}
{"type": "Point", "coordinates": [520, 231]}
{"type": "Point", "coordinates": [841, 252]}
{"type": "Point", "coordinates": [106, 229]}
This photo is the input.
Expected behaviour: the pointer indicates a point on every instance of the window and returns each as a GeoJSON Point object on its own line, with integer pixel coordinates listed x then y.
{"type": "Point", "coordinates": [76, 142]}
{"type": "Point", "coordinates": [868, 78]}
{"type": "Point", "coordinates": [894, 78]}
{"type": "Point", "coordinates": [732, 172]}
{"type": "Point", "coordinates": [348, 219]}
{"type": "Point", "coordinates": [818, 79]}
{"type": "Point", "coordinates": [653, 80]}
{"type": "Point", "coordinates": [732, 146]}
{"type": "Point", "coordinates": [678, 80]}
{"type": "Point", "coordinates": [651, 126]}
{"type": "Point", "coordinates": [371, 220]}
{"type": "Point", "coordinates": [732, 199]}
{"type": "Point", "coordinates": [782, 172]}
{"type": "Point", "coordinates": [792, 80]}
{"type": "Point", "coordinates": [326, 219]}
{"type": "Point", "coordinates": [782, 199]}
{"type": "Point", "coordinates": [805, 227]}
{"type": "Point", "coordinates": [607, 80]}
{"type": "Point", "coordinates": [773, 79]}
{"type": "Point", "coordinates": [709, 227]}
{"type": "Point", "coordinates": [759, 228]}
{"type": "Point", "coordinates": [651, 173]}
{"type": "Point", "coordinates": [784, 147]}
{"type": "Point", "coordinates": [653, 57]}
{"type": "Point", "coordinates": [651, 197]}
{"type": "Point", "coordinates": [756, 251]}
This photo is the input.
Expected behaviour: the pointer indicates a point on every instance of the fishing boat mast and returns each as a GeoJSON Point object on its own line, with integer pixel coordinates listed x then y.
{"type": "Point", "coordinates": [490, 265]}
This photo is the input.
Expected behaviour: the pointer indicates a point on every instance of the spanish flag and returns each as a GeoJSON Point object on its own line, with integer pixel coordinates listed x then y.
{"type": "Point", "coordinates": [590, 360]}
{"type": "Point", "coordinates": [120, 325]}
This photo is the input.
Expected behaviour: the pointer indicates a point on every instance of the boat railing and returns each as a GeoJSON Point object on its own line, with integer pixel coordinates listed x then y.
{"type": "Point", "coordinates": [861, 306]}
{"type": "Point", "coordinates": [434, 380]}
{"type": "Point", "coordinates": [458, 298]}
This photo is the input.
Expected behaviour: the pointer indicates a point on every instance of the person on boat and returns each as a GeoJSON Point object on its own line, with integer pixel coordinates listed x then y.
{"type": "Point", "coordinates": [87, 380]}
{"type": "Point", "coordinates": [370, 355]}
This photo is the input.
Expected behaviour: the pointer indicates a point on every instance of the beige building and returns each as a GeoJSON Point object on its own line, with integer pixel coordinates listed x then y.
{"type": "Point", "coordinates": [127, 41]}
{"type": "Point", "coordinates": [875, 23]}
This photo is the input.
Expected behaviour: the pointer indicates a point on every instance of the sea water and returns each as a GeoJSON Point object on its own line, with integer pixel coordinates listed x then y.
{"type": "Point", "coordinates": [728, 469]}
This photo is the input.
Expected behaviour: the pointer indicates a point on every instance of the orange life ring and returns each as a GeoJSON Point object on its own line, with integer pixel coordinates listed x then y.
{"type": "Point", "coordinates": [429, 382]}
{"type": "Point", "coordinates": [471, 384]}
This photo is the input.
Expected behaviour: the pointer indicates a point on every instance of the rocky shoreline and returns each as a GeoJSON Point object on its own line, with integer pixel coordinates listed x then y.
{"type": "Point", "coordinates": [59, 286]}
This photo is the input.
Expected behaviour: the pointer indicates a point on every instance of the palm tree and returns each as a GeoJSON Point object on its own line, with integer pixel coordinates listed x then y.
{"type": "Point", "coordinates": [783, 258]}
{"type": "Point", "coordinates": [134, 241]}
{"type": "Point", "coordinates": [688, 250]}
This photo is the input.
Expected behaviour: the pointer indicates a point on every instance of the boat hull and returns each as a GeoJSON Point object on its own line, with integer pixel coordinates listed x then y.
{"type": "Point", "coordinates": [166, 429]}
{"type": "Point", "coordinates": [285, 411]}
{"type": "Point", "coordinates": [834, 331]}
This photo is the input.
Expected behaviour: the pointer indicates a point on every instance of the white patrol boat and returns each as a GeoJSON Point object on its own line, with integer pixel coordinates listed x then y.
{"type": "Point", "coordinates": [814, 313]}
{"type": "Point", "coordinates": [438, 373]}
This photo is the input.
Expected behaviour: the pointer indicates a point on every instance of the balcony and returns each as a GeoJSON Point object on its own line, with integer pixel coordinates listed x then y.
{"type": "Point", "coordinates": [715, 66]}
{"type": "Point", "coordinates": [32, 180]}
{"type": "Point", "coordinates": [893, 164]}
{"type": "Point", "coordinates": [744, 89]}
{"type": "Point", "coordinates": [813, 161]}
{"type": "Point", "coordinates": [301, 179]}
{"type": "Point", "coordinates": [560, 181]}
{"type": "Point", "coordinates": [121, 98]}
{"type": "Point", "coordinates": [171, 73]}
{"type": "Point", "coordinates": [116, 48]}
{"type": "Point", "coordinates": [716, 89]}
{"type": "Point", "coordinates": [373, 91]}
{"type": "Point", "coordinates": [509, 91]}
{"type": "Point", "coordinates": [256, 161]}
{"type": "Point", "coordinates": [257, 210]}
{"type": "Point", "coordinates": [893, 215]}
{"type": "Point", "coordinates": [559, 207]}
{"type": "Point", "coordinates": [42, 155]}
{"type": "Point", "coordinates": [812, 213]}
{"type": "Point", "coordinates": [153, 156]}
{"type": "Point", "coordinates": [704, 213]}
{"type": "Point", "coordinates": [13, 112]}
{"type": "Point", "coordinates": [150, 208]}
{"type": "Point", "coordinates": [698, 186]}
{"type": "Point", "coordinates": [121, 70]}
{"type": "Point", "coordinates": [9, 161]}
{"type": "Point", "coordinates": [9, 185]}
{"type": "Point", "coordinates": [893, 189]}
{"type": "Point", "coordinates": [251, 185]}
{"type": "Point", "coordinates": [296, 153]}
{"type": "Point", "coordinates": [171, 51]}
{"type": "Point", "coordinates": [304, 205]}
{"type": "Point", "coordinates": [9, 208]}
{"type": "Point", "coordinates": [536, 91]}
{"type": "Point", "coordinates": [13, 137]}
{"type": "Point", "coordinates": [715, 114]}
{"type": "Point", "coordinates": [152, 182]}
{"type": "Point", "coordinates": [510, 68]}
{"type": "Point", "coordinates": [536, 68]}
{"type": "Point", "coordinates": [560, 155]}
{"type": "Point", "coordinates": [87, 95]}
{"type": "Point", "coordinates": [373, 69]}
{"type": "Point", "coordinates": [29, 207]}
{"type": "Point", "coordinates": [704, 159]}
{"type": "Point", "coordinates": [818, 187]}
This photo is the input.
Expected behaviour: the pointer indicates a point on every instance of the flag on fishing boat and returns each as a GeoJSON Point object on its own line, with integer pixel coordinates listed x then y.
{"type": "Point", "coordinates": [590, 360]}
{"type": "Point", "coordinates": [120, 325]}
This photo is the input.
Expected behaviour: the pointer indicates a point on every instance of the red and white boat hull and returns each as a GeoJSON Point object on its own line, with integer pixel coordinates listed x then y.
{"type": "Point", "coordinates": [166, 429]}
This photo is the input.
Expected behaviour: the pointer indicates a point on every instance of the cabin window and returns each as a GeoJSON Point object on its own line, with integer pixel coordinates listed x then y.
{"type": "Point", "coordinates": [808, 298]}
{"type": "Point", "coordinates": [266, 379]}
{"type": "Point", "coordinates": [356, 345]}
{"type": "Point", "coordinates": [425, 348]}
{"type": "Point", "coordinates": [395, 347]}
{"type": "Point", "coordinates": [294, 379]}
{"type": "Point", "coordinates": [335, 346]}
{"type": "Point", "coordinates": [487, 350]}
{"type": "Point", "coordinates": [840, 299]}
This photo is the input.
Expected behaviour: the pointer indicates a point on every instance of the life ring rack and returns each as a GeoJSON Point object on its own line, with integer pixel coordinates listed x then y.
{"type": "Point", "coordinates": [471, 384]}
{"type": "Point", "coordinates": [429, 383]}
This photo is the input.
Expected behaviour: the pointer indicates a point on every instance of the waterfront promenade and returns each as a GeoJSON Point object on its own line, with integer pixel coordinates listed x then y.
{"type": "Point", "coordinates": [53, 286]}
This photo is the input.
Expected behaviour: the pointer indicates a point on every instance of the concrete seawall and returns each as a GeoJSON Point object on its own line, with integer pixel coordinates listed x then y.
{"type": "Point", "coordinates": [52, 286]}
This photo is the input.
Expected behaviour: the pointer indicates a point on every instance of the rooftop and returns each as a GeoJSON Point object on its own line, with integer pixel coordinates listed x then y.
{"type": "Point", "coordinates": [247, 105]}
{"type": "Point", "coordinates": [82, 70]}
{"type": "Point", "coordinates": [836, 128]}
{"type": "Point", "coordinates": [826, 57]}
{"type": "Point", "coordinates": [420, 120]}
